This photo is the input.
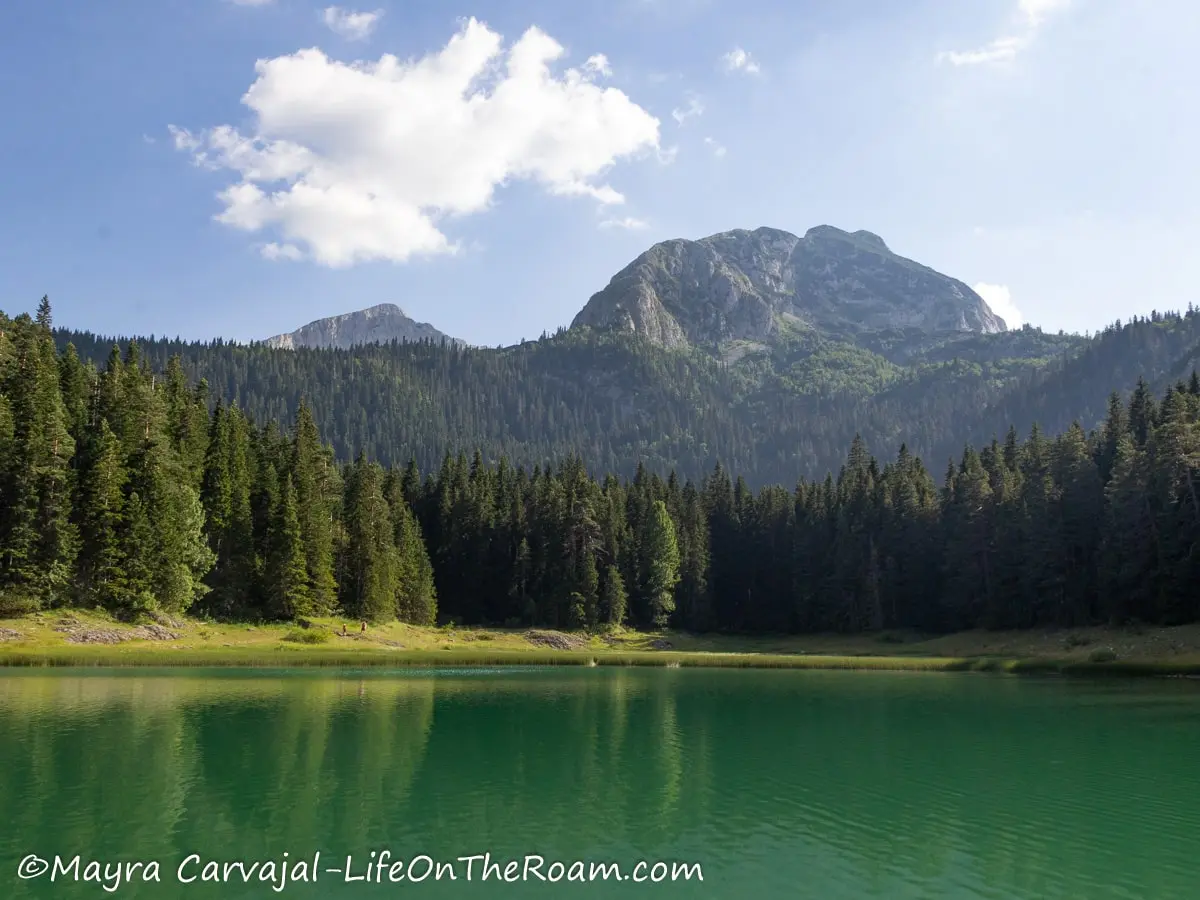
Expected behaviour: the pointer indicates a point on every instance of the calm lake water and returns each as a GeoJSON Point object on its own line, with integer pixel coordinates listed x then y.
{"type": "Point", "coordinates": [779, 784]}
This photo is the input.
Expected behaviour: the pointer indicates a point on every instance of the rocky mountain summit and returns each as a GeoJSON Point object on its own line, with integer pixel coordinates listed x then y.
{"type": "Point", "coordinates": [377, 324]}
{"type": "Point", "coordinates": [751, 285]}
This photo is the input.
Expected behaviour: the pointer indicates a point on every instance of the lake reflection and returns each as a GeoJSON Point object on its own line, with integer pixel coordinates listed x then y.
{"type": "Point", "coordinates": [780, 784]}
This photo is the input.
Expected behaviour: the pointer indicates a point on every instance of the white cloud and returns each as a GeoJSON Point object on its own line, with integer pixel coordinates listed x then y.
{"type": "Point", "coordinates": [281, 251]}
{"type": "Point", "coordinates": [184, 140]}
{"type": "Point", "coordinates": [628, 223]}
{"type": "Point", "coordinates": [1034, 11]}
{"type": "Point", "coordinates": [999, 298]}
{"type": "Point", "coordinates": [598, 64]}
{"type": "Point", "coordinates": [998, 51]}
{"type": "Point", "coordinates": [356, 162]}
{"type": "Point", "coordinates": [718, 150]}
{"type": "Point", "coordinates": [693, 108]}
{"type": "Point", "coordinates": [1031, 14]}
{"type": "Point", "coordinates": [738, 60]}
{"type": "Point", "coordinates": [353, 26]}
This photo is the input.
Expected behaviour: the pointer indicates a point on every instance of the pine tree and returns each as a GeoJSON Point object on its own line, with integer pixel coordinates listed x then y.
{"type": "Point", "coordinates": [661, 561]}
{"type": "Point", "coordinates": [187, 420]}
{"type": "Point", "coordinates": [239, 563]}
{"type": "Point", "coordinates": [1115, 426]}
{"type": "Point", "coordinates": [312, 479]}
{"type": "Point", "coordinates": [165, 540]}
{"type": "Point", "coordinates": [1142, 413]}
{"type": "Point", "coordinates": [139, 554]}
{"type": "Point", "coordinates": [75, 382]}
{"type": "Point", "coordinates": [370, 586]}
{"type": "Point", "coordinates": [1128, 540]}
{"type": "Point", "coordinates": [613, 602]}
{"type": "Point", "coordinates": [286, 568]}
{"type": "Point", "coordinates": [694, 598]}
{"type": "Point", "coordinates": [416, 596]}
{"type": "Point", "coordinates": [1078, 514]}
{"type": "Point", "coordinates": [1174, 451]}
{"type": "Point", "coordinates": [102, 520]}
{"type": "Point", "coordinates": [586, 597]}
{"type": "Point", "coordinates": [38, 541]}
{"type": "Point", "coordinates": [969, 556]}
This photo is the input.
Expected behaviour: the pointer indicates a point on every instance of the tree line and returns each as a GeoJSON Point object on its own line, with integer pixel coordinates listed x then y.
{"type": "Point", "coordinates": [125, 487]}
{"type": "Point", "coordinates": [773, 415]}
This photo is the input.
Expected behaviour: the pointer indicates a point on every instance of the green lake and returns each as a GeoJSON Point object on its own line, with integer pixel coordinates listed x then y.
{"type": "Point", "coordinates": [791, 784]}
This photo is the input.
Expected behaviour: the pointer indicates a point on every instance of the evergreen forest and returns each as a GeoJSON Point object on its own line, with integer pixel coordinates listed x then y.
{"type": "Point", "coordinates": [130, 487]}
{"type": "Point", "coordinates": [620, 402]}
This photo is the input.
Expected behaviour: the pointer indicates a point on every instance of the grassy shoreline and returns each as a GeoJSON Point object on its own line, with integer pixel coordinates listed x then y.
{"type": "Point", "coordinates": [87, 639]}
{"type": "Point", "coordinates": [309, 659]}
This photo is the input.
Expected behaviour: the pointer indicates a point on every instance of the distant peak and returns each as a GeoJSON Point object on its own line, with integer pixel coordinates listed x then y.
{"type": "Point", "coordinates": [380, 323]}
{"type": "Point", "coordinates": [773, 232]}
{"type": "Point", "coordinates": [863, 238]}
{"type": "Point", "coordinates": [384, 308]}
{"type": "Point", "coordinates": [825, 231]}
{"type": "Point", "coordinates": [868, 237]}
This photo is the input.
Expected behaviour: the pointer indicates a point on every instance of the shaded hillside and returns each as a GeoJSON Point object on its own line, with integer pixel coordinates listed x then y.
{"type": "Point", "coordinates": [1161, 349]}
{"type": "Point", "coordinates": [619, 400]}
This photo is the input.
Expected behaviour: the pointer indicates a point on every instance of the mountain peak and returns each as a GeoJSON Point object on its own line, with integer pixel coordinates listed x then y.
{"type": "Point", "coordinates": [383, 309]}
{"type": "Point", "coordinates": [748, 285]}
{"type": "Point", "coordinates": [860, 237]}
{"type": "Point", "coordinates": [377, 324]}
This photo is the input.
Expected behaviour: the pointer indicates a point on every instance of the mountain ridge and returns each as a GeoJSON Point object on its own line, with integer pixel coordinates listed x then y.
{"type": "Point", "coordinates": [380, 324]}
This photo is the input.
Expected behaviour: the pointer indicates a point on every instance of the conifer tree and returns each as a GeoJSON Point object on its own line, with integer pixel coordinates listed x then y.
{"type": "Point", "coordinates": [416, 596]}
{"type": "Point", "coordinates": [693, 596]}
{"type": "Point", "coordinates": [102, 523]}
{"type": "Point", "coordinates": [313, 481]}
{"type": "Point", "coordinates": [37, 537]}
{"type": "Point", "coordinates": [661, 562]}
{"type": "Point", "coordinates": [612, 597]}
{"type": "Point", "coordinates": [370, 563]}
{"type": "Point", "coordinates": [286, 567]}
{"type": "Point", "coordinates": [165, 540]}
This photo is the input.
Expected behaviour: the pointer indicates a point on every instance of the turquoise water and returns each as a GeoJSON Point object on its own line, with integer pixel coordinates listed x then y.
{"type": "Point", "coordinates": [778, 784]}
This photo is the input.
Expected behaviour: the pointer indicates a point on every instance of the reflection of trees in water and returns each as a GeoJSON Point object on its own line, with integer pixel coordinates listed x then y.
{"type": "Point", "coordinates": [74, 764]}
{"type": "Point", "coordinates": [604, 757]}
{"type": "Point", "coordinates": [872, 779]}
{"type": "Point", "coordinates": [181, 764]}
{"type": "Point", "coordinates": [378, 743]}
{"type": "Point", "coordinates": [670, 753]}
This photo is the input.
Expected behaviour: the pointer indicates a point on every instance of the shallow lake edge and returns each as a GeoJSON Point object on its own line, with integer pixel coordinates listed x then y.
{"type": "Point", "coordinates": [304, 657]}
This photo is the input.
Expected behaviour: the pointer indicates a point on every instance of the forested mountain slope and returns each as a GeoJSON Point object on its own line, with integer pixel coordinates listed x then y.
{"type": "Point", "coordinates": [1162, 349]}
{"type": "Point", "coordinates": [619, 400]}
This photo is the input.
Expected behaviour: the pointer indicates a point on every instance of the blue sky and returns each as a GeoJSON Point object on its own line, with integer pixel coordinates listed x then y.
{"type": "Point", "coordinates": [489, 178]}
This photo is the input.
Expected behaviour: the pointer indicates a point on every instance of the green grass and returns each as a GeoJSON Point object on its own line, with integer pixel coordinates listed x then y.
{"type": "Point", "coordinates": [333, 658]}
{"type": "Point", "coordinates": [42, 639]}
{"type": "Point", "coordinates": [308, 636]}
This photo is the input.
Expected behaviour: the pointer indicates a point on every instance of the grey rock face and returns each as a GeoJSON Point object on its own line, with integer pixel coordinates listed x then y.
{"type": "Point", "coordinates": [746, 285]}
{"type": "Point", "coordinates": [378, 324]}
